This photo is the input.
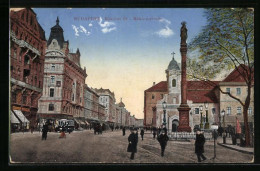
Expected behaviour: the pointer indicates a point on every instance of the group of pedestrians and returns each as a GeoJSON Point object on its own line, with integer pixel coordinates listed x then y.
{"type": "Point", "coordinates": [133, 140]}
{"type": "Point", "coordinates": [163, 138]}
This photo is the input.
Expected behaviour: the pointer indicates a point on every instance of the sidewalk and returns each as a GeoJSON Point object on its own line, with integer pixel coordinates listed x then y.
{"type": "Point", "coordinates": [248, 150]}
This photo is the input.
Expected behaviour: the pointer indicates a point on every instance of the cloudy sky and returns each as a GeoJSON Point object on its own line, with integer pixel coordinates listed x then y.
{"type": "Point", "coordinates": [124, 49]}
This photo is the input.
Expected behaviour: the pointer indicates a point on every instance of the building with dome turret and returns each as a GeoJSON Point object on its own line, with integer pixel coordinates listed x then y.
{"type": "Point", "coordinates": [63, 82]}
{"type": "Point", "coordinates": [199, 93]}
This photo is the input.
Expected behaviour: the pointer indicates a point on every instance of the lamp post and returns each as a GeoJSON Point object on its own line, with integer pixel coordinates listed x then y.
{"type": "Point", "coordinates": [164, 113]}
{"type": "Point", "coordinates": [224, 133]}
{"type": "Point", "coordinates": [201, 124]}
{"type": "Point", "coordinates": [206, 104]}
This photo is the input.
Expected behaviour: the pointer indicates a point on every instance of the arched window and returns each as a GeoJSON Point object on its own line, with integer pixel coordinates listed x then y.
{"type": "Point", "coordinates": [174, 83]}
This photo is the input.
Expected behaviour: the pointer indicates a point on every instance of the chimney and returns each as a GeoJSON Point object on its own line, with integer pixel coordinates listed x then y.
{"type": "Point", "coordinates": [153, 83]}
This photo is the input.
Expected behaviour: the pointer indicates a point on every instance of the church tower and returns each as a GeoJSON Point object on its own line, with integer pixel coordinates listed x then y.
{"type": "Point", "coordinates": [173, 74]}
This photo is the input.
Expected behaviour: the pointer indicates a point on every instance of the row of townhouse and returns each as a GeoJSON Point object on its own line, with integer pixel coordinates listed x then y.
{"type": "Point", "coordinates": [48, 82]}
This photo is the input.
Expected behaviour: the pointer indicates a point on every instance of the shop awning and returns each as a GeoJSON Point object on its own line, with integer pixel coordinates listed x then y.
{"type": "Point", "coordinates": [14, 118]}
{"type": "Point", "coordinates": [20, 115]}
{"type": "Point", "coordinates": [79, 121]}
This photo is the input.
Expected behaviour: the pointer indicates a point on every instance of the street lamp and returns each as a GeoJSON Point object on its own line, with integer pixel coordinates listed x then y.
{"type": "Point", "coordinates": [206, 104]}
{"type": "Point", "coordinates": [201, 124]}
{"type": "Point", "coordinates": [224, 133]}
{"type": "Point", "coordinates": [164, 113]}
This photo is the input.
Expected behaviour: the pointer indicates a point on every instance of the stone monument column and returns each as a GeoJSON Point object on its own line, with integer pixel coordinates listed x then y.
{"type": "Point", "coordinates": [184, 107]}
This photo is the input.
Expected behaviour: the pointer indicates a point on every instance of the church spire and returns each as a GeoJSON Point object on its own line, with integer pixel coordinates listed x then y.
{"type": "Point", "coordinates": [172, 55]}
{"type": "Point", "coordinates": [57, 21]}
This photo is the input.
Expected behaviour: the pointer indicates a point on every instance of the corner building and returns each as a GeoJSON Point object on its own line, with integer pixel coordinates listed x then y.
{"type": "Point", "coordinates": [64, 81]}
{"type": "Point", "coordinates": [27, 50]}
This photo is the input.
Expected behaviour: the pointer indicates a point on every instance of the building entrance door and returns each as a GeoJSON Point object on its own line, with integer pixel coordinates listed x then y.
{"type": "Point", "coordinates": [175, 124]}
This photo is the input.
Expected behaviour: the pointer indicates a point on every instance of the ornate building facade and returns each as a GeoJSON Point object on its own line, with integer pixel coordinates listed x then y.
{"type": "Point", "coordinates": [199, 93]}
{"type": "Point", "coordinates": [27, 51]}
{"type": "Point", "coordinates": [64, 80]}
{"type": "Point", "coordinates": [107, 99]}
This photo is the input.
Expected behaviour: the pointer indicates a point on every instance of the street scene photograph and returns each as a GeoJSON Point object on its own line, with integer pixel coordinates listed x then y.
{"type": "Point", "coordinates": [131, 86]}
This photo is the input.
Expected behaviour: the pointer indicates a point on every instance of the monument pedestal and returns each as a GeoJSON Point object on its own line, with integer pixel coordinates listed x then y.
{"type": "Point", "coordinates": [184, 118]}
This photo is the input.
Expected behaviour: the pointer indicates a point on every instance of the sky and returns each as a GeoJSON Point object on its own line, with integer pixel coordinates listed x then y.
{"type": "Point", "coordinates": [124, 49]}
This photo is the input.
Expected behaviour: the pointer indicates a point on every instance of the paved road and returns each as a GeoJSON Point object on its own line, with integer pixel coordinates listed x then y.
{"type": "Point", "coordinates": [110, 147]}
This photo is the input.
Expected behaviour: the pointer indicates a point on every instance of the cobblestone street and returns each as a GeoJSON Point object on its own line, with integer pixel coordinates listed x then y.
{"type": "Point", "coordinates": [110, 147]}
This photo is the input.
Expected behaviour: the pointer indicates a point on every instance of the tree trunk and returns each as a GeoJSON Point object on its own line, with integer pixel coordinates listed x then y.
{"type": "Point", "coordinates": [245, 115]}
{"type": "Point", "coordinates": [247, 131]}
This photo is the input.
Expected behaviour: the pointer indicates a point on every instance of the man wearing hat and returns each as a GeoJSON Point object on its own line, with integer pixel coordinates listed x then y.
{"type": "Point", "coordinates": [132, 140]}
{"type": "Point", "coordinates": [163, 138]}
{"type": "Point", "coordinates": [199, 145]}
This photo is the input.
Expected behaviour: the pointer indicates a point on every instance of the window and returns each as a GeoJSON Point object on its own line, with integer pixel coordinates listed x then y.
{"type": "Point", "coordinates": [238, 91]}
{"type": "Point", "coordinates": [51, 92]}
{"type": "Point", "coordinates": [174, 100]}
{"type": "Point", "coordinates": [162, 96]}
{"type": "Point", "coordinates": [72, 97]}
{"type": "Point", "coordinates": [52, 79]}
{"type": "Point", "coordinates": [228, 110]}
{"type": "Point", "coordinates": [13, 97]}
{"type": "Point", "coordinates": [174, 83]}
{"type": "Point", "coordinates": [15, 52]}
{"type": "Point", "coordinates": [249, 111]}
{"type": "Point", "coordinates": [239, 110]}
{"type": "Point", "coordinates": [197, 111]}
{"type": "Point", "coordinates": [228, 90]}
{"type": "Point", "coordinates": [24, 99]}
{"type": "Point", "coordinates": [213, 110]}
{"type": "Point", "coordinates": [51, 107]}
{"type": "Point", "coordinates": [58, 83]}
{"type": "Point", "coordinates": [53, 67]}
{"type": "Point", "coordinates": [152, 96]}
{"type": "Point", "coordinates": [35, 80]}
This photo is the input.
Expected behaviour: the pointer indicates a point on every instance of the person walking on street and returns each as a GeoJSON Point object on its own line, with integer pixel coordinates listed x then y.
{"type": "Point", "coordinates": [62, 134]}
{"type": "Point", "coordinates": [163, 139]}
{"type": "Point", "coordinates": [142, 134]}
{"type": "Point", "coordinates": [154, 132]}
{"type": "Point", "coordinates": [132, 146]}
{"type": "Point", "coordinates": [199, 146]}
{"type": "Point", "coordinates": [123, 131]}
{"type": "Point", "coordinates": [44, 131]}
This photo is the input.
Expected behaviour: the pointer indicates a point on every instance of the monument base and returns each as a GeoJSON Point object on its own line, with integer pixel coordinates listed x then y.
{"type": "Point", "coordinates": [184, 118]}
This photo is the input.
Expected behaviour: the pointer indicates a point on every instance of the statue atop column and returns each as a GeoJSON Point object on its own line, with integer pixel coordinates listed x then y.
{"type": "Point", "coordinates": [183, 33]}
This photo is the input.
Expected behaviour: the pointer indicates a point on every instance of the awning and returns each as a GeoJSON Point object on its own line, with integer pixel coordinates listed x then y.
{"type": "Point", "coordinates": [79, 122]}
{"type": "Point", "coordinates": [14, 118]}
{"type": "Point", "coordinates": [20, 115]}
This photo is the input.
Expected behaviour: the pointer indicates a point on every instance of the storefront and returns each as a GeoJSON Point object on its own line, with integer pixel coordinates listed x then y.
{"type": "Point", "coordinates": [24, 122]}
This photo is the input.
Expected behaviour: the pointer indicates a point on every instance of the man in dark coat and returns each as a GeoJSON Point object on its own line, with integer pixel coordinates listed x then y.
{"type": "Point", "coordinates": [199, 146]}
{"type": "Point", "coordinates": [154, 132]}
{"type": "Point", "coordinates": [163, 139]}
{"type": "Point", "coordinates": [44, 132]}
{"type": "Point", "coordinates": [132, 146]}
{"type": "Point", "coordinates": [142, 134]}
{"type": "Point", "coordinates": [123, 131]}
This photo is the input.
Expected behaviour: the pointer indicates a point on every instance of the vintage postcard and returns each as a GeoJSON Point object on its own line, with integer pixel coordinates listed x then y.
{"type": "Point", "coordinates": [131, 85]}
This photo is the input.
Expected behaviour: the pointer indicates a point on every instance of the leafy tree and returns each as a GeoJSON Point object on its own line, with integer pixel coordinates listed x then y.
{"type": "Point", "coordinates": [226, 42]}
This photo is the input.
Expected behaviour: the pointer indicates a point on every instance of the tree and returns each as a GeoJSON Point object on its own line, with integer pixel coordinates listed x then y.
{"type": "Point", "coordinates": [226, 42]}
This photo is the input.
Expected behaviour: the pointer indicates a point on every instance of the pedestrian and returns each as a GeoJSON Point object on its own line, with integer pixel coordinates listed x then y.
{"type": "Point", "coordinates": [163, 139]}
{"type": "Point", "coordinates": [32, 128]}
{"type": "Point", "coordinates": [44, 132]}
{"type": "Point", "coordinates": [132, 146]}
{"type": "Point", "coordinates": [154, 132]}
{"type": "Point", "coordinates": [142, 134]}
{"type": "Point", "coordinates": [62, 134]}
{"type": "Point", "coordinates": [199, 146]}
{"type": "Point", "coordinates": [123, 131]}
